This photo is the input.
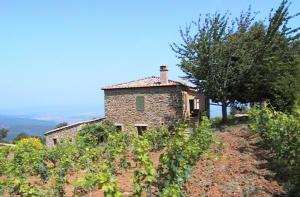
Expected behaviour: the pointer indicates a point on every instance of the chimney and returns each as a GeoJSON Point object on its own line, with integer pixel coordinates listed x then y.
{"type": "Point", "coordinates": [164, 74]}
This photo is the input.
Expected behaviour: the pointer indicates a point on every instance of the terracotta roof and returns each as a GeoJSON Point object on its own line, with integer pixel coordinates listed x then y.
{"type": "Point", "coordinates": [146, 82]}
{"type": "Point", "coordinates": [74, 125]}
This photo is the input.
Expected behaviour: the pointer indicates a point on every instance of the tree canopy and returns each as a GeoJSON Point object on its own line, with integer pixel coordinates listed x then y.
{"type": "Point", "coordinates": [242, 60]}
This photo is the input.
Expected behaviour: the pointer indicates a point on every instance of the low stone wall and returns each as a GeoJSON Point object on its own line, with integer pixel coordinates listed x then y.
{"type": "Point", "coordinates": [67, 132]}
{"type": "Point", "coordinates": [4, 144]}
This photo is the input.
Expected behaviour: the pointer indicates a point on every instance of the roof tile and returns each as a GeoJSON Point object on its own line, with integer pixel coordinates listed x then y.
{"type": "Point", "coordinates": [146, 82]}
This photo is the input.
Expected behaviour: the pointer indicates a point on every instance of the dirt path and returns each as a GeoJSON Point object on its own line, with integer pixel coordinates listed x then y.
{"type": "Point", "coordinates": [236, 167]}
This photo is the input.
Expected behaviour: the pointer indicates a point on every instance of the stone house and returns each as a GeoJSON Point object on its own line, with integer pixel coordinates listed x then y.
{"type": "Point", "coordinates": [142, 104]}
{"type": "Point", "coordinates": [151, 102]}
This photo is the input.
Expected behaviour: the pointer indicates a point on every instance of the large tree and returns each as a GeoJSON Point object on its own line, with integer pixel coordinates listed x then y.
{"type": "Point", "coordinates": [271, 73]}
{"type": "Point", "coordinates": [241, 60]}
{"type": "Point", "coordinates": [210, 56]}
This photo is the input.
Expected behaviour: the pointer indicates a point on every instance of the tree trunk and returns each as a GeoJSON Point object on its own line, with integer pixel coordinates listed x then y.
{"type": "Point", "coordinates": [207, 107]}
{"type": "Point", "coordinates": [224, 111]}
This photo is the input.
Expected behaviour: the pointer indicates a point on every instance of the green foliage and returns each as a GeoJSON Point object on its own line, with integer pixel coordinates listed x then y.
{"type": "Point", "coordinates": [20, 162]}
{"type": "Point", "coordinates": [281, 134]}
{"type": "Point", "coordinates": [29, 154]}
{"type": "Point", "coordinates": [107, 182]}
{"type": "Point", "coordinates": [244, 59]}
{"type": "Point", "coordinates": [20, 186]}
{"type": "Point", "coordinates": [86, 184]}
{"type": "Point", "coordinates": [101, 177]}
{"type": "Point", "coordinates": [4, 152]}
{"type": "Point", "coordinates": [94, 135]}
{"type": "Point", "coordinates": [100, 162]}
{"type": "Point", "coordinates": [145, 174]}
{"type": "Point", "coordinates": [272, 70]}
{"type": "Point", "coordinates": [207, 58]}
{"type": "Point", "coordinates": [182, 152]}
{"type": "Point", "coordinates": [172, 190]}
{"type": "Point", "coordinates": [62, 158]}
{"type": "Point", "coordinates": [116, 150]}
{"type": "Point", "coordinates": [63, 155]}
{"type": "Point", "coordinates": [158, 138]}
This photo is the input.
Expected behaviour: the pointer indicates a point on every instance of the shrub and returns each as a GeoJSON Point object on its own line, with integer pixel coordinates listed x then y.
{"type": "Point", "coordinates": [158, 138]}
{"type": "Point", "coordinates": [4, 152]}
{"type": "Point", "coordinates": [281, 134]}
{"type": "Point", "coordinates": [29, 154]}
{"type": "Point", "coordinates": [182, 152]}
{"type": "Point", "coordinates": [93, 135]}
{"type": "Point", "coordinates": [145, 174]}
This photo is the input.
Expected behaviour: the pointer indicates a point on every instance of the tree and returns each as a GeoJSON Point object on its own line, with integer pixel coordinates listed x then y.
{"type": "Point", "coordinates": [3, 134]}
{"type": "Point", "coordinates": [210, 57]}
{"type": "Point", "coordinates": [242, 60]}
{"type": "Point", "coordinates": [272, 71]}
{"type": "Point", "coordinates": [62, 124]}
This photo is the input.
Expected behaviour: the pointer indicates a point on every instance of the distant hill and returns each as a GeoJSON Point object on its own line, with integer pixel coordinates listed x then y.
{"type": "Point", "coordinates": [17, 125]}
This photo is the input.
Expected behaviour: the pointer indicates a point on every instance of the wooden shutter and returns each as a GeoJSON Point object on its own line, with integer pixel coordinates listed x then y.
{"type": "Point", "coordinates": [140, 103]}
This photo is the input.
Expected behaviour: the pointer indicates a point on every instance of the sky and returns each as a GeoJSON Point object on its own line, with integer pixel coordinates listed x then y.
{"type": "Point", "coordinates": [56, 55]}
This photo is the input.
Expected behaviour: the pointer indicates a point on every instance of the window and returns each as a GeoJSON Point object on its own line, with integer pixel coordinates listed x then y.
{"type": "Point", "coordinates": [119, 128]}
{"type": "Point", "coordinates": [54, 141]}
{"type": "Point", "coordinates": [141, 129]}
{"type": "Point", "coordinates": [194, 107]}
{"type": "Point", "coordinates": [140, 103]}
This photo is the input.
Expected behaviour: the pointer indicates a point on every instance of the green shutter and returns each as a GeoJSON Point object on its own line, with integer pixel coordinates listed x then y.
{"type": "Point", "coordinates": [140, 103]}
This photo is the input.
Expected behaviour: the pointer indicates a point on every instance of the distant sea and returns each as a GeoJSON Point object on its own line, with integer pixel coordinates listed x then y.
{"type": "Point", "coordinates": [17, 125]}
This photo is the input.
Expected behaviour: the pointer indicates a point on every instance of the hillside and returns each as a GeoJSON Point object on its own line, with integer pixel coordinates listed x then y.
{"type": "Point", "coordinates": [228, 160]}
{"type": "Point", "coordinates": [236, 166]}
{"type": "Point", "coordinates": [18, 125]}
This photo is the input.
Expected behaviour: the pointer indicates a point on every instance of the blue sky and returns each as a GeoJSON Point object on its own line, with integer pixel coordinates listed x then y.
{"type": "Point", "coordinates": [56, 55]}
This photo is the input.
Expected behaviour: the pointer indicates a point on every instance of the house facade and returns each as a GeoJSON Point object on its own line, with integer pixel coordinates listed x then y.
{"type": "Point", "coordinates": [151, 102]}
{"type": "Point", "coordinates": [143, 104]}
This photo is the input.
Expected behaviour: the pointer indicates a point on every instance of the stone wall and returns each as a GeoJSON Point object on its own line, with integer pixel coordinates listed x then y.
{"type": "Point", "coordinates": [67, 132]}
{"type": "Point", "coordinates": [162, 106]}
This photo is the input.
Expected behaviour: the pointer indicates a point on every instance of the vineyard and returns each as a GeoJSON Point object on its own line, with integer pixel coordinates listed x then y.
{"type": "Point", "coordinates": [280, 133]}
{"type": "Point", "coordinates": [99, 155]}
{"type": "Point", "coordinates": [263, 161]}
